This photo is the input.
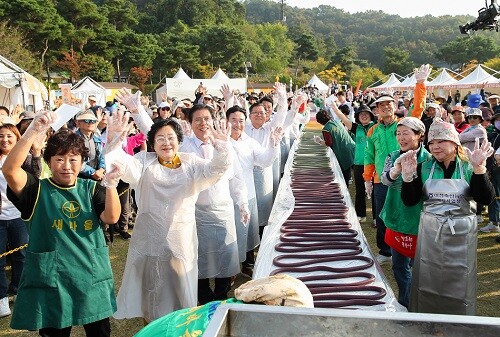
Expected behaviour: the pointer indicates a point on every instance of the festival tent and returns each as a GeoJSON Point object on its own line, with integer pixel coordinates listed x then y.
{"type": "Point", "coordinates": [391, 83]}
{"type": "Point", "coordinates": [181, 74]}
{"type": "Point", "coordinates": [220, 75]}
{"type": "Point", "coordinates": [443, 79]}
{"type": "Point", "coordinates": [19, 87]}
{"type": "Point", "coordinates": [87, 87]}
{"type": "Point", "coordinates": [478, 78]}
{"type": "Point", "coordinates": [315, 81]}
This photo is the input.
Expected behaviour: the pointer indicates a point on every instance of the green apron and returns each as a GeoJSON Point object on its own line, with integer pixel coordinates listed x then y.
{"type": "Point", "coordinates": [67, 278]}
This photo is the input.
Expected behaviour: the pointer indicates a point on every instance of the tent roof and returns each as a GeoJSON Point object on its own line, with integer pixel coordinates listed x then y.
{"type": "Point", "coordinates": [8, 79]}
{"type": "Point", "coordinates": [181, 74]}
{"type": "Point", "coordinates": [444, 78]}
{"type": "Point", "coordinates": [87, 84]}
{"type": "Point", "coordinates": [318, 83]}
{"type": "Point", "coordinates": [478, 77]}
{"type": "Point", "coordinates": [220, 75]}
{"type": "Point", "coordinates": [391, 82]}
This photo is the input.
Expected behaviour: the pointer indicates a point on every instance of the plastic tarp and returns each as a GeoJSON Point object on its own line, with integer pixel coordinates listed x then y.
{"type": "Point", "coordinates": [19, 87]}
{"type": "Point", "coordinates": [479, 77]}
{"type": "Point", "coordinates": [87, 87]}
{"type": "Point", "coordinates": [181, 74]}
{"type": "Point", "coordinates": [185, 88]}
{"type": "Point", "coordinates": [220, 75]}
{"type": "Point", "coordinates": [283, 207]}
{"type": "Point", "coordinates": [392, 82]}
{"type": "Point", "coordinates": [443, 79]}
{"type": "Point", "coordinates": [315, 81]}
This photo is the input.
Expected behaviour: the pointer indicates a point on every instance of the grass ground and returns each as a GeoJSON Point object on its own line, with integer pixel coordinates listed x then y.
{"type": "Point", "coordinates": [488, 277]}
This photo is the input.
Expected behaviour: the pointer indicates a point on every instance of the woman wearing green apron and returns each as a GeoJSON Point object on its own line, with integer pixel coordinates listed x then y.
{"type": "Point", "coordinates": [67, 279]}
{"type": "Point", "coordinates": [449, 184]}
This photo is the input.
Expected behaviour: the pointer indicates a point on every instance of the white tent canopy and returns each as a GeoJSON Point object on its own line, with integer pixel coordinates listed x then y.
{"type": "Point", "coordinates": [443, 79]}
{"type": "Point", "coordinates": [181, 74]}
{"type": "Point", "coordinates": [87, 87]}
{"type": "Point", "coordinates": [391, 83]}
{"type": "Point", "coordinates": [19, 87]}
{"type": "Point", "coordinates": [479, 77]}
{"type": "Point", "coordinates": [185, 88]}
{"type": "Point", "coordinates": [220, 75]}
{"type": "Point", "coordinates": [315, 81]}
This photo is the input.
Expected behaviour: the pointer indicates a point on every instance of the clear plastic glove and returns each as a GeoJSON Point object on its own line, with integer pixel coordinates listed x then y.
{"type": "Point", "coordinates": [317, 139]}
{"type": "Point", "coordinates": [244, 214]}
{"type": "Point", "coordinates": [131, 102]}
{"type": "Point", "coordinates": [41, 123]}
{"type": "Point", "coordinates": [280, 90]}
{"type": "Point", "coordinates": [409, 166]}
{"type": "Point", "coordinates": [477, 158]}
{"type": "Point", "coordinates": [422, 73]}
{"type": "Point", "coordinates": [117, 129]}
{"type": "Point", "coordinates": [221, 131]}
{"type": "Point", "coordinates": [186, 128]}
{"type": "Point", "coordinates": [112, 177]}
{"type": "Point", "coordinates": [298, 101]}
{"type": "Point", "coordinates": [368, 189]}
{"type": "Point", "coordinates": [276, 135]}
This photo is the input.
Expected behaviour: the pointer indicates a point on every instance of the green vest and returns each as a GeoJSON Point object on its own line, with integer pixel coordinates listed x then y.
{"type": "Point", "coordinates": [381, 142]}
{"type": "Point", "coordinates": [343, 145]}
{"type": "Point", "coordinates": [439, 174]}
{"type": "Point", "coordinates": [395, 214]}
{"type": "Point", "coordinates": [360, 140]}
{"type": "Point", "coordinates": [67, 278]}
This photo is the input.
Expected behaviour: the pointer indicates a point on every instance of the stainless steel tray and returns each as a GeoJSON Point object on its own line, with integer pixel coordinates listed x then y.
{"type": "Point", "coordinates": [265, 321]}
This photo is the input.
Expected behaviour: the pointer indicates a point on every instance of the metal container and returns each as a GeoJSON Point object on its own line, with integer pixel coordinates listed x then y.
{"type": "Point", "coordinates": [265, 321]}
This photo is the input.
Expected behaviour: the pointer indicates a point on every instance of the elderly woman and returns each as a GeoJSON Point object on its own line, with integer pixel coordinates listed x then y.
{"type": "Point", "coordinates": [449, 185]}
{"type": "Point", "coordinates": [402, 221]}
{"type": "Point", "coordinates": [475, 130]}
{"type": "Point", "coordinates": [161, 272]}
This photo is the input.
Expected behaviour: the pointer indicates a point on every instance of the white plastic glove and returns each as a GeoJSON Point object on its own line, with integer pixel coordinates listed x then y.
{"type": "Point", "coordinates": [280, 90]}
{"type": "Point", "coordinates": [409, 166]}
{"type": "Point", "coordinates": [186, 128]}
{"type": "Point", "coordinates": [297, 101]}
{"type": "Point", "coordinates": [117, 130]}
{"type": "Point", "coordinates": [112, 177]}
{"type": "Point", "coordinates": [244, 214]}
{"type": "Point", "coordinates": [221, 131]}
{"type": "Point", "coordinates": [131, 102]}
{"type": "Point", "coordinates": [477, 158]}
{"type": "Point", "coordinates": [41, 123]}
{"type": "Point", "coordinates": [368, 189]}
{"type": "Point", "coordinates": [318, 140]}
{"type": "Point", "coordinates": [276, 135]}
{"type": "Point", "coordinates": [396, 169]}
{"type": "Point", "coordinates": [422, 73]}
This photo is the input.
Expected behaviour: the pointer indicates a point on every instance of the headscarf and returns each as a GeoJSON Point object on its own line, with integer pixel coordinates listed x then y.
{"type": "Point", "coordinates": [442, 130]}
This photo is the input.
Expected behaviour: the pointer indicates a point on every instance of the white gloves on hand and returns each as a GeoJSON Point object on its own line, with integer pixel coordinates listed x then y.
{"type": "Point", "coordinates": [422, 73]}
{"type": "Point", "coordinates": [41, 123]}
{"type": "Point", "coordinates": [112, 177]}
{"type": "Point", "coordinates": [244, 214]}
{"type": "Point", "coordinates": [276, 135]}
{"type": "Point", "coordinates": [117, 130]}
{"type": "Point", "coordinates": [477, 158]}
{"type": "Point", "coordinates": [131, 102]}
{"type": "Point", "coordinates": [409, 166]}
{"type": "Point", "coordinates": [368, 189]}
{"type": "Point", "coordinates": [317, 139]}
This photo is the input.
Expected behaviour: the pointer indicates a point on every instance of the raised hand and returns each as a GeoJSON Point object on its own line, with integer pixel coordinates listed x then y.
{"type": "Point", "coordinates": [280, 90]}
{"type": "Point", "coordinates": [117, 129]}
{"type": "Point", "coordinates": [409, 166]}
{"type": "Point", "coordinates": [112, 177]}
{"type": "Point", "coordinates": [145, 101]}
{"type": "Point", "coordinates": [276, 135]}
{"type": "Point", "coordinates": [186, 128]}
{"type": "Point", "coordinates": [226, 92]}
{"type": "Point", "coordinates": [131, 101]}
{"type": "Point", "coordinates": [422, 73]}
{"type": "Point", "coordinates": [42, 121]}
{"type": "Point", "coordinates": [478, 157]}
{"type": "Point", "coordinates": [221, 131]}
{"type": "Point", "coordinates": [297, 102]}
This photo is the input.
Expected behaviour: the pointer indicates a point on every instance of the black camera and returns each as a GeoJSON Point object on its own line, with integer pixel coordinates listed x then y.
{"type": "Point", "coordinates": [486, 19]}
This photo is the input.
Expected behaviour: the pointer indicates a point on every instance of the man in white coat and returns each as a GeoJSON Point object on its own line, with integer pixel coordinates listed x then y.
{"type": "Point", "coordinates": [217, 244]}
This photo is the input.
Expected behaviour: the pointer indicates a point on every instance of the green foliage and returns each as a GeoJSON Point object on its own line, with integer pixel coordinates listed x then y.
{"type": "Point", "coordinates": [397, 60]}
{"type": "Point", "coordinates": [367, 75]}
{"type": "Point", "coordinates": [344, 58]}
{"type": "Point", "coordinates": [98, 68]}
{"type": "Point", "coordinates": [459, 52]}
{"type": "Point", "coordinates": [13, 48]}
{"type": "Point", "coordinates": [493, 63]}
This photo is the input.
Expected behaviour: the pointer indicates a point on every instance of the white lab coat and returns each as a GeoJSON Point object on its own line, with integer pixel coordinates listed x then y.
{"type": "Point", "coordinates": [215, 221]}
{"type": "Point", "coordinates": [161, 272]}
{"type": "Point", "coordinates": [250, 153]}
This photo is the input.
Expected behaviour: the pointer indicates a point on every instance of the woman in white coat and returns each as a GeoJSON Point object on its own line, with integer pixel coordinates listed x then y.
{"type": "Point", "coordinates": [161, 272]}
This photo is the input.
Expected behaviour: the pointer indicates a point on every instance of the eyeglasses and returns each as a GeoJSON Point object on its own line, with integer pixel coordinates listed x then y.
{"type": "Point", "coordinates": [160, 140]}
{"type": "Point", "coordinates": [89, 121]}
{"type": "Point", "coordinates": [200, 120]}
{"type": "Point", "coordinates": [261, 113]}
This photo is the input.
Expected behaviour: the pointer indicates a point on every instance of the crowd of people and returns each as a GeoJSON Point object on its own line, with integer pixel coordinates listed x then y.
{"type": "Point", "coordinates": [201, 176]}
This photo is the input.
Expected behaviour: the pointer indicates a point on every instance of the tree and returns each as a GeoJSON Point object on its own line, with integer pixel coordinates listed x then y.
{"type": "Point", "coordinates": [397, 60]}
{"type": "Point", "coordinates": [72, 63]}
{"type": "Point", "coordinates": [493, 63]}
{"type": "Point", "coordinates": [367, 75]}
{"type": "Point", "coordinates": [139, 76]}
{"type": "Point", "coordinates": [335, 73]}
{"type": "Point", "coordinates": [464, 49]}
{"type": "Point", "coordinates": [344, 58]}
{"type": "Point", "coordinates": [98, 68]}
{"type": "Point", "coordinates": [13, 47]}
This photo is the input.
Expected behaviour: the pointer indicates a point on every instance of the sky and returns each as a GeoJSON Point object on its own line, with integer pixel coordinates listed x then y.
{"type": "Point", "coordinates": [404, 8]}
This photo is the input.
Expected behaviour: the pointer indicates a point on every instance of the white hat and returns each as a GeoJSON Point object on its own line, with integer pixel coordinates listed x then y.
{"type": "Point", "coordinates": [494, 97]}
{"type": "Point", "coordinates": [432, 105]}
{"type": "Point", "coordinates": [163, 104]}
{"type": "Point", "coordinates": [385, 98]}
{"type": "Point", "coordinates": [473, 112]}
{"type": "Point", "coordinates": [86, 115]}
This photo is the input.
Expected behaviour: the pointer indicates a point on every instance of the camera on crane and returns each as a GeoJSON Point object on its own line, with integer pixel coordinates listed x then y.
{"type": "Point", "coordinates": [486, 20]}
